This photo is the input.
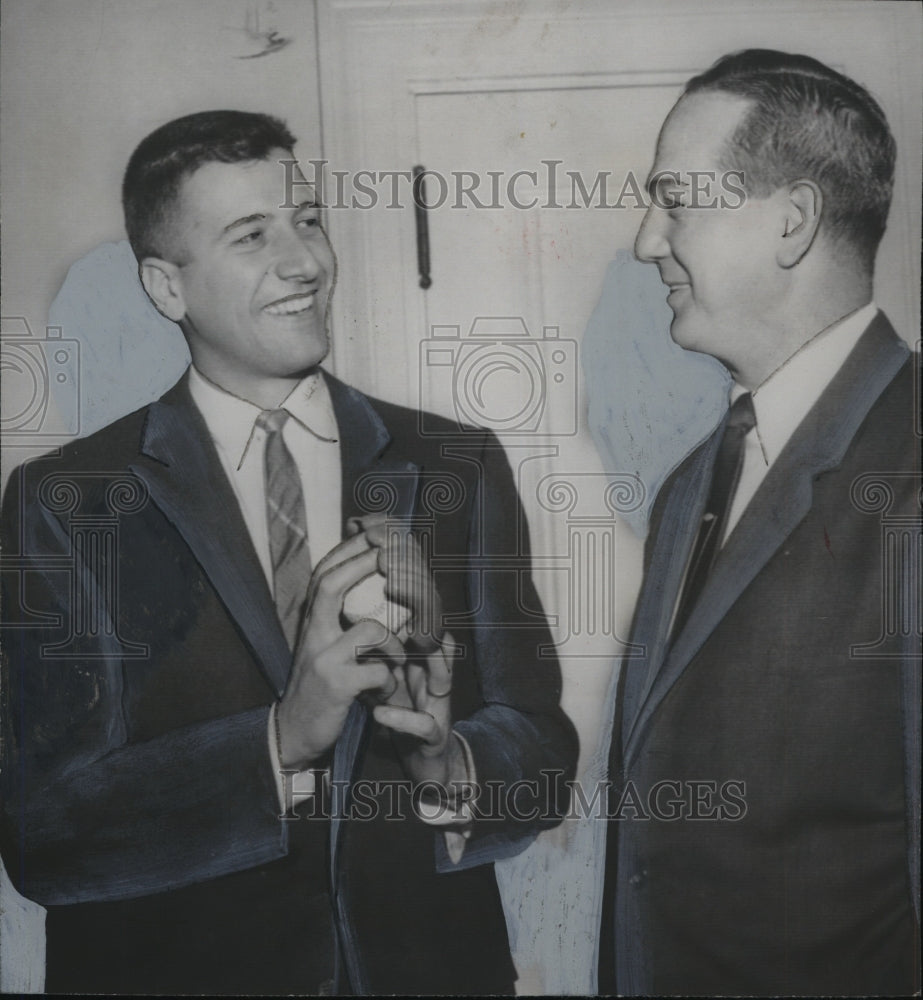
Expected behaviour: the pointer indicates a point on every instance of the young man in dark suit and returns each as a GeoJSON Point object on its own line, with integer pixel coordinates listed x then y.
{"type": "Point", "coordinates": [765, 752]}
{"type": "Point", "coordinates": [196, 664]}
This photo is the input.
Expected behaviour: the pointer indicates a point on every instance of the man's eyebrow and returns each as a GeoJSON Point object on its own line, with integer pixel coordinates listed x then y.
{"type": "Point", "coordinates": [246, 220]}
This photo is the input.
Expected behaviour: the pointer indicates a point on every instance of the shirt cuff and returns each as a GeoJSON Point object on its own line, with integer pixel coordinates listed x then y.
{"type": "Point", "coordinates": [455, 812]}
{"type": "Point", "coordinates": [303, 783]}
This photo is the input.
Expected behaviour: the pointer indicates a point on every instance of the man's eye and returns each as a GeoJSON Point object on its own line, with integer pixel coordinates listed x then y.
{"type": "Point", "coordinates": [250, 237]}
{"type": "Point", "coordinates": [308, 222]}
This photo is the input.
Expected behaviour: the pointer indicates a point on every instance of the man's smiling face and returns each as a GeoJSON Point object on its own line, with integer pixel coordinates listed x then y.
{"type": "Point", "coordinates": [719, 262]}
{"type": "Point", "coordinates": [253, 279]}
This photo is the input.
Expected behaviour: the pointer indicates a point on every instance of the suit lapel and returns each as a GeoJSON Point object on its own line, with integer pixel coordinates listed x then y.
{"type": "Point", "coordinates": [778, 507]}
{"type": "Point", "coordinates": [673, 531]}
{"type": "Point", "coordinates": [373, 471]}
{"type": "Point", "coordinates": [375, 476]}
{"type": "Point", "coordinates": [181, 468]}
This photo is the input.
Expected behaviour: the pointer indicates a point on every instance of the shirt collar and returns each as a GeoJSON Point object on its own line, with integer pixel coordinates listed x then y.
{"type": "Point", "coordinates": [231, 420]}
{"type": "Point", "coordinates": [785, 398]}
{"type": "Point", "coordinates": [310, 404]}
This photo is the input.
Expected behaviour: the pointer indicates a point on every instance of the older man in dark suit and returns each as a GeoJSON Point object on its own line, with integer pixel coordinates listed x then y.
{"type": "Point", "coordinates": [765, 753]}
{"type": "Point", "coordinates": [218, 777]}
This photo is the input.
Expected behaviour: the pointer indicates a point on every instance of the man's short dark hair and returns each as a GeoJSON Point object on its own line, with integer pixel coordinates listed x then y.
{"type": "Point", "coordinates": [808, 121]}
{"type": "Point", "coordinates": [174, 151]}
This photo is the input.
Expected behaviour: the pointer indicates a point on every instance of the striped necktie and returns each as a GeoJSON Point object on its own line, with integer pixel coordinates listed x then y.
{"type": "Point", "coordinates": [288, 526]}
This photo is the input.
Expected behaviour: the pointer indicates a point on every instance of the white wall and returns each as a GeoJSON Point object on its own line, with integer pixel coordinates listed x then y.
{"type": "Point", "coordinates": [83, 81]}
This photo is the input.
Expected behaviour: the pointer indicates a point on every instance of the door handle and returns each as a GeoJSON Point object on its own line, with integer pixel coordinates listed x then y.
{"type": "Point", "coordinates": [422, 221]}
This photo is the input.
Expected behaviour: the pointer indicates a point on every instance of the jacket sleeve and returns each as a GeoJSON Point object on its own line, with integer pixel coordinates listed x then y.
{"type": "Point", "coordinates": [88, 814]}
{"type": "Point", "coordinates": [524, 746]}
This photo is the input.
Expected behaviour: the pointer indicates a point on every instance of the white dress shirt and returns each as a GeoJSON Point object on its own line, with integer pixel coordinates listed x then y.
{"type": "Point", "coordinates": [784, 399]}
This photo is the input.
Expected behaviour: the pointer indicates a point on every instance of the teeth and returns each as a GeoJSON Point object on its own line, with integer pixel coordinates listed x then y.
{"type": "Point", "coordinates": [291, 306]}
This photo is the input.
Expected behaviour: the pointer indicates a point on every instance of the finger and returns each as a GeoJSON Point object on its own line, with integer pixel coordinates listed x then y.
{"type": "Point", "coordinates": [404, 720]}
{"type": "Point", "coordinates": [400, 543]}
{"type": "Point", "coordinates": [374, 525]}
{"type": "Point", "coordinates": [417, 591]}
{"type": "Point", "coordinates": [405, 566]}
{"type": "Point", "coordinates": [404, 575]}
{"type": "Point", "coordinates": [370, 639]}
{"type": "Point", "coordinates": [353, 545]}
{"type": "Point", "coordinates": [439, 670]}
{"type": "Point", "coordinates": [329, 587]}
{"type": "Point", "coordinates": [411, 587]}
{"type": "Point", "coordinates": [373, 676]}
{"type": "Point", "coordinates": [374, 531]}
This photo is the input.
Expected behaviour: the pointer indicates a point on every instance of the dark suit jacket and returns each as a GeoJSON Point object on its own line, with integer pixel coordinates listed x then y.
{"type": "Point", "coordinates": [139, 800]}
{"type": "Point", "coordinates": [766, 743]}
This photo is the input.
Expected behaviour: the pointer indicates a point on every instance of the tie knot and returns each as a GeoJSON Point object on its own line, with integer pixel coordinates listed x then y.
{"type": "Point", "coordinates": [272, 421]}
{"type": "Point", "coordinates": [742, 415]}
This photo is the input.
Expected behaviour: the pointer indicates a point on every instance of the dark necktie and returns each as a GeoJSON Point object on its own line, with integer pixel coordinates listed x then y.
{"type": "Point", "coordinates": [288, 526]}
{"type": "Point", "coordinates": [741, 421]}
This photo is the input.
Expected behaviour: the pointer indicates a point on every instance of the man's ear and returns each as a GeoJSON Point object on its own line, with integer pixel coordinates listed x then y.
{"type": "Point", "coordinates": [801, 211]}
{"type": "Point", "coordinates": [164, 285]}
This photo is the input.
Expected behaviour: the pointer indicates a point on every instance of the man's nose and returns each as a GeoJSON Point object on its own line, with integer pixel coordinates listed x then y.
{"type": "Point", "coordinates": [295, 260]}
{"type": "Point", "coordinates": [650, 243]}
